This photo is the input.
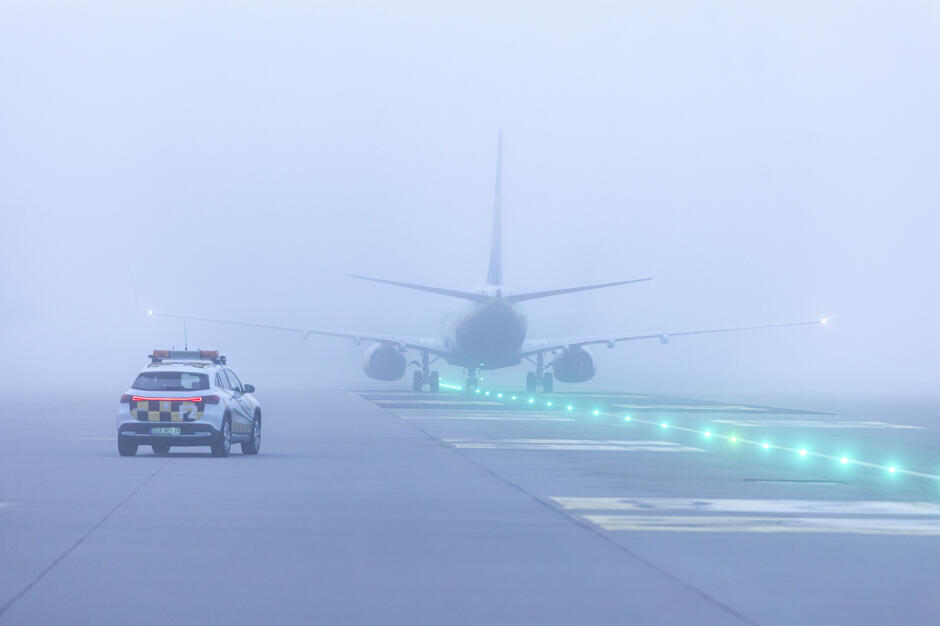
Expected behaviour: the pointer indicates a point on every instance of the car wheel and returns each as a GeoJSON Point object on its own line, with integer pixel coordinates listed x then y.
{"type": "Point", "coordinates": [254, 443]}
{"type": "Point", "coordinates": [126, 448]}
{"type": "Point", "coordinates": [223, 443]}
{"type": "Point", "coordinates": [161, 448]}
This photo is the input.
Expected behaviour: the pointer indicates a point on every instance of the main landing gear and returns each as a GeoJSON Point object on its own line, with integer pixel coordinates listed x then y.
{"type": "Point", "coordinates": [433, 381]}
{"type": "Point", "coordinates": [539, 377]}
{"type": "Point", "coordinates": [533, 381]}
{"type": "Point", "coordinates": [425, 376]}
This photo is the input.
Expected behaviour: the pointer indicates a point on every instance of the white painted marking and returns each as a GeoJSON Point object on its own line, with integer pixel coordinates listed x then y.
{"type": "Point", "coordinates": [814, 424]}
{"type": "Point", "coordinates": [93, 438]}
{"type": "Point", "coordinates": [387, 403]}
{"type": "Point", "coordinates": [695, 407]}
{"type": "Point", "coordinates": [701, 505]}
{"type": "Point", "coordinates": [684, 523]}
{"type": "Point", "coordinates": [489, 418]}
{"type": "Point", "coordinates": [584, 445]}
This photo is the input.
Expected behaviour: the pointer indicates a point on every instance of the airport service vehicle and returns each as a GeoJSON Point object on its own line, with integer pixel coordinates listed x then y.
{"type": "Point", "coordinates": [490, 333]}
{"type": "Point", "coordinates": [188, 398]}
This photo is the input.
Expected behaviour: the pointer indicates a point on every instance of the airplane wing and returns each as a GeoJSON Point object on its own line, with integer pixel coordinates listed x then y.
{"type": "Point", "coordinates": [531, 348]}
{"type": "Point", "coordinates": [434, 346]}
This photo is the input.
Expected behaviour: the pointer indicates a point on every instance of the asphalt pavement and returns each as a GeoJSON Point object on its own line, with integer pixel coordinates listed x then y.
{"type": "Point", "coordinates": [381, 506]}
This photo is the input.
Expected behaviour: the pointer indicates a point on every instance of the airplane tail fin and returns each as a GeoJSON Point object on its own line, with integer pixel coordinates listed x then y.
{"type": "Point", "coordinates": [495, 274]}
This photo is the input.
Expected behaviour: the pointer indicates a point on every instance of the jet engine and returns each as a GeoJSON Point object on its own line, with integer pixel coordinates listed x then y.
{"type": "Point", "coordinates": [574, 365]}
{"type": "Point", "coordinates": [384, 362]}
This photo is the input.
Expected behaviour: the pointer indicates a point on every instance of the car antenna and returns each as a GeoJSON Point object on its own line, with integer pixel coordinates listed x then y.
{"type": "Point", "coordinates": [185, 338]}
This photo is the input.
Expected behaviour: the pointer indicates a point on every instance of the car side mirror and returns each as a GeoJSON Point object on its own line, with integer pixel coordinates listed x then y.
{"type": "Point", "coordinates": [249, 388]}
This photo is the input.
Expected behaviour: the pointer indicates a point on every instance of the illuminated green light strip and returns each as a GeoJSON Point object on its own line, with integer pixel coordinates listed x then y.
{"type": "Point", "coordinates": [891, 469]}
{"type": "Point", "coordinates": [734, 439]}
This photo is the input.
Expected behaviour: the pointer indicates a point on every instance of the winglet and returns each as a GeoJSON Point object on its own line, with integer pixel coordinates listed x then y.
{"type": "Point", "coordinates": [495, 274]}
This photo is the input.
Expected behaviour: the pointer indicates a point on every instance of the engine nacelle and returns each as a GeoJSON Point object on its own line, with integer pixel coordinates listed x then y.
{"type": "Point", "coordinates": [574, 365]}
{"type": "Point", "coordinates": [384, 362]}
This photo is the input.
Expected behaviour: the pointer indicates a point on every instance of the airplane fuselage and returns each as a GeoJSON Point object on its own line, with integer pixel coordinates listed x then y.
{"type": "Point", "coordinates": [488, 336]}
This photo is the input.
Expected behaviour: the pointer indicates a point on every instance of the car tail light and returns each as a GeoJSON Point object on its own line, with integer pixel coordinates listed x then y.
{"type": "Point", "coordinates": [206, 399]}
{"type": "Point", "coordinates": [125, 398]}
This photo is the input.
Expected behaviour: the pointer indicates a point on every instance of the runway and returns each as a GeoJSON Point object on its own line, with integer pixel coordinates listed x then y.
{"type": "Point", "coordinates": [379, 506]}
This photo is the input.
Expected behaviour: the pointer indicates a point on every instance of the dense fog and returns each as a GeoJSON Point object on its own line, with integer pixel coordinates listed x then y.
{"type": "Point", "coordinates": [764, 162]}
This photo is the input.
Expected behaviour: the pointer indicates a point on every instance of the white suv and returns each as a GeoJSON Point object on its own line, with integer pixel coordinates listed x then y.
{"type": "Point", "coordinates": [188, 398]}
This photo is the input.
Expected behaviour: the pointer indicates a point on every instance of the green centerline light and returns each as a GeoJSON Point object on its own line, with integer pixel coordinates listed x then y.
{"type": "Point", "coordinates": [802, 452]}
{"type": "Point", "coordinates": [596, 412]}
{"type": "Point", "coordinates": [707, 433]}
{"type": "Point", "coordinates": [733, 439]}
{"type": "Point", "coordinates": [844, 460]}
{"type": "Point", "coordinates": [892, 470]}
{"type": "Point", "coordinates": [499, 395]}
{"type": "Point", "coordinates": [549, 403]}
{"type": "Point", "coordinates": [627, 418]}
{"type": "Point", "coordinates": [765, 446]}
{"type": "Point", "coordinates": [663, 425]}
{"type": "Point", "coordinates": [513, 398]}
{"type": "Point", "coordinates": [570, 408]}
{"type": "Point", "coordinates": [531, 400]}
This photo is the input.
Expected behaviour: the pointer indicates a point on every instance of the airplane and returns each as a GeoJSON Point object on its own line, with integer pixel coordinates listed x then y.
{"type": "Point", "coordinates": [490, 333]}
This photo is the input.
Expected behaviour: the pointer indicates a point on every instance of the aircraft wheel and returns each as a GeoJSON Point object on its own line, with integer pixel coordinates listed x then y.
{"type": "Point", "coordinates": [531, 382]}
{"type": "Point", "coordinates": [417, 382]}
{"type": "Point", "coordinates": [548, 382]}
{"type": "Point", "coordinates": [435, 382]}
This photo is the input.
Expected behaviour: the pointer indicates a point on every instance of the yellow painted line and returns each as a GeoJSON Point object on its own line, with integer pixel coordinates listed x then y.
{"type": "Point", "coordinates": [713, 524]}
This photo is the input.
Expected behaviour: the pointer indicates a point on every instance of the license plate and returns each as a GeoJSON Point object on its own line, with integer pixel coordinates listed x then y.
{"type": "Point", "coordinates": [165, 430]}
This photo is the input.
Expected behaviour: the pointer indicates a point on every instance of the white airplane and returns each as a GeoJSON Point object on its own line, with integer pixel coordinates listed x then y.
{"type": "Point", "coordinates": [491, 333]}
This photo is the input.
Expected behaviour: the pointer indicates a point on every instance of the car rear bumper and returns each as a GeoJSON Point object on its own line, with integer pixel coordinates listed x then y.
{"type": "Point", "coordinates": [191, 434]}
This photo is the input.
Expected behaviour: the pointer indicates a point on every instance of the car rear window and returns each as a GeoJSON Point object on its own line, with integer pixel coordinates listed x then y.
{"type": "Point", "coordinates": [171, 381]}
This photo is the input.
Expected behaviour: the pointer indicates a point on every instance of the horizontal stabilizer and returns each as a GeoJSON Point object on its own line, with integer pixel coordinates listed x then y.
{"type": "Point", "coordinates": [453, 293]}
{"type": "Point", "coordinates": [519, 297]}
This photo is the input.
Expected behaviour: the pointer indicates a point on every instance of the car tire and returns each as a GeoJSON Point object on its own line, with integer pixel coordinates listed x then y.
{"type": "Point", "coordinates": [126, 448]}
{"type": "Point", "coordinates": [223, 443]}
{"type": "Point", "coordinates": [253, 445]}
{"type": "Point", "coordinates": [161, 448]}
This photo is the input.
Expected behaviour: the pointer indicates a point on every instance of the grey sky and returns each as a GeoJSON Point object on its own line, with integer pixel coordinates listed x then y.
{"type": "Point", "coordinates": [763, 161]}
